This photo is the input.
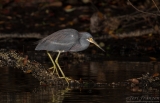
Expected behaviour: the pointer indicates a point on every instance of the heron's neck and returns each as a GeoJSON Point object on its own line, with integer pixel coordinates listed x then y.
{"type": "Point", "coordinates": [84, 43]}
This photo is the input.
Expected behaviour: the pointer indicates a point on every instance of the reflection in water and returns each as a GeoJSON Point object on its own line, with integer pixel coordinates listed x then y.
{"type": "Point", "coordinates": [38, 95]}
{"type": "Point", "coordinates": [50, 94]}
{"type": "Point", "coordinates": [111, 71]}
{"type": "Point", "coordinates": [17, 87]}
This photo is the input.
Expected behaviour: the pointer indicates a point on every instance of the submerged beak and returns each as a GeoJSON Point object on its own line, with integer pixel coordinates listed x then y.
{"type": "Point", "coordinates": [94, 42]}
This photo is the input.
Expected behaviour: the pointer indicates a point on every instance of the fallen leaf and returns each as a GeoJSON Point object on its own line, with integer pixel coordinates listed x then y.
{"type": "Point", "coordinates": [153, 59]}
{"type": "Point", "coordinates": [70, 23]}
{"type": "Point", "coordinates": [155, 74]}
{"type": "Point", "coordinates": [69, 8]}
{"type": "Point", "coordinates": [150, 34]}
{"type": "Point", "coordinates": [111, 33]}
{"type": "Point", "coordinates": [61, 18]}
{"type": "Point", "coordinates": [47, 11]}
{"type": "Point", "coordinates": [150, 48]}
{"type": "Point", "coordinates": [9, 17]}
{"type": "Point", "coordinates": [134, 80]}
{"type": "Point", "coordinates": [25, 60]}
{"type": "Point", "coordinates": [1, 22]}
{"type": "Point", "coordinates": [51, 24]}
{"type": "Point", "coordinates": [156, 28]}
{"type": "Point", "coordinates": [86, 1]}
{"type": "Point", "coordinates": [84, 17]}
{"type": "Point", "coordinates": [101, 44]}
{"type": "Point", "coordinates": [28, 71]}
{"type": "Point", "coordinates": [100, 15]}
{"type": "Point", "coordinates": [62, 25]}
{"type": "Point", "coordinates": [54, 4]}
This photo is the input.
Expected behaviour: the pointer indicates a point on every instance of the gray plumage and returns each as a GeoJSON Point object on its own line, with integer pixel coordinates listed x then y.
{"type": "Point", "coordinates": [65, 40]}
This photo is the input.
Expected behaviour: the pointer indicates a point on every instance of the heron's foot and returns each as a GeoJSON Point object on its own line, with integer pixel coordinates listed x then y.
{"type": "Point", "coordinates": [67, 79]}
{"type": "Point", "coordinates": [54, 70]}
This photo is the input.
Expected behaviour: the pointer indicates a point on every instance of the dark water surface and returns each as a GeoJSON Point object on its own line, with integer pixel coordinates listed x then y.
{"type": "Point", "coordinates": [17, 87]}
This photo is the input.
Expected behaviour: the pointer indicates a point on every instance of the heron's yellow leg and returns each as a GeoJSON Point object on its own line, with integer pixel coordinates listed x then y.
{"type": "Point", "coordinates": [56, 61]}
{"type": "Point", "coordinates": [54, 65]}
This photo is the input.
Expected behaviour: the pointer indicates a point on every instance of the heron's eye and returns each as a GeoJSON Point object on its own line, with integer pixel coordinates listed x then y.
{"type": "Point", "coordinates": [90, 40]}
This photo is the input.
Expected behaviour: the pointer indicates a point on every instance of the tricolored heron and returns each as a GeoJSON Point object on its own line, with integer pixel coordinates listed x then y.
{"type": "Point", "coordinates": [65, 40]}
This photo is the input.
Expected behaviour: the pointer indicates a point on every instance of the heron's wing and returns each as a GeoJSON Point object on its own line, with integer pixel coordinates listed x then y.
{"type": "Point", "coordinates": [80, 45]}
{"type": "Point", "coordinates": [61, 40]}
{"type": "Point", "coordinates": [76, 47]}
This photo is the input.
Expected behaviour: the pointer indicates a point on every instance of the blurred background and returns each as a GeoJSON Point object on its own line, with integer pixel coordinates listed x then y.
{"type": "Point", "coordinates": [125, 29]}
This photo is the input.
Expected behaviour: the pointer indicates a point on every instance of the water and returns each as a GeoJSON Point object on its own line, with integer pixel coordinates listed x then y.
{"type": "Point", "coordinates": [17, 87]}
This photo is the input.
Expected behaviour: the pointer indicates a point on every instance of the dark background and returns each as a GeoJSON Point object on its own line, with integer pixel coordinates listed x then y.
{"type": "Point", "coordinates": [23, 22]}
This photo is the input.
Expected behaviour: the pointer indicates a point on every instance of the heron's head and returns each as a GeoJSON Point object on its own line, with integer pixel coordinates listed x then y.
{"type": "Point", "coordinates": [90, 39]}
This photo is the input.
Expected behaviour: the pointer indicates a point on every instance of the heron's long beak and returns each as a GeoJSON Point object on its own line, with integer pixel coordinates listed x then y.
{"type": "Point", "coordinates": [94, 42]}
